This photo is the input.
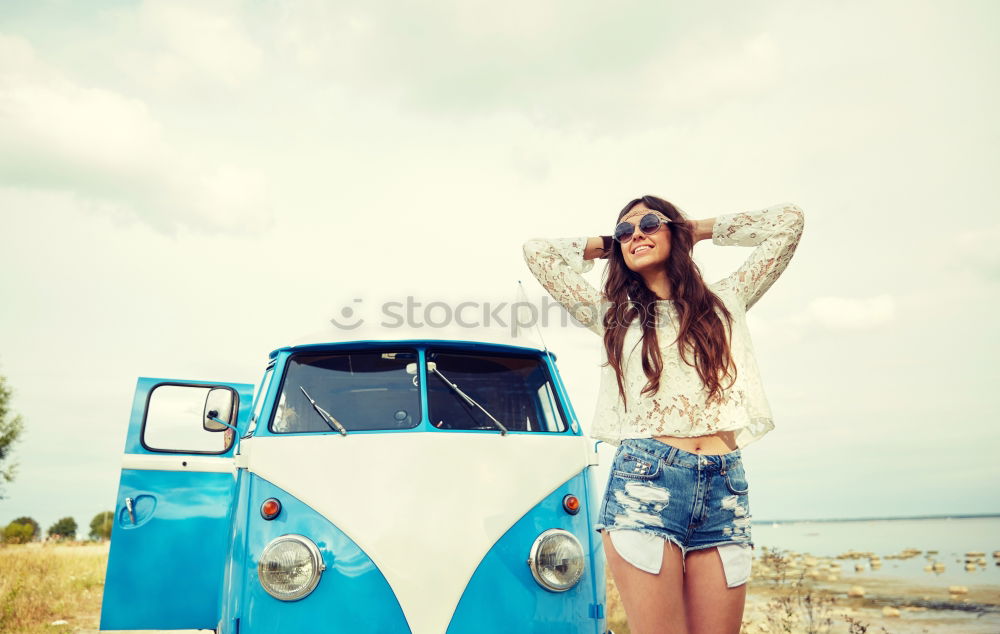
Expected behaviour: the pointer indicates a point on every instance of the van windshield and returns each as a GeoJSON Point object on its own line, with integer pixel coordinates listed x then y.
{"type": "Point", "coordinates": [516, 390]}
{"type": "Point", "coordinates": [360, 390]}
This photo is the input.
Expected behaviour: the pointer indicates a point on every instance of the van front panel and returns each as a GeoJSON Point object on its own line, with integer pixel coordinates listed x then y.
{"type": "Point", "coordinates": [426, 507]}
{"type": "Point", "coordinates": [352, 594]}
{"type": "Point", "coordinates": [504, 597]}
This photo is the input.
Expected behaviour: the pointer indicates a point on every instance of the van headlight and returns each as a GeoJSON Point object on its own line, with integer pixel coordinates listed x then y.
{"type": "Point", "coordinates": [290, 567]}
{"type": "Point", "coordinates": [556, 560]}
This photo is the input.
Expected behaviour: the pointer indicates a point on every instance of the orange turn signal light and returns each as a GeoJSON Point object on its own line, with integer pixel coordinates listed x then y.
{"type": "Point", "coordinates": [270, 508]}
{"type": "Point", "coordinates": [572, 504]}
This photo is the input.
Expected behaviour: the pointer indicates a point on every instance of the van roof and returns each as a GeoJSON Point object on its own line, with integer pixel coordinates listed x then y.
{"type": "Point", "coordinates": [496, 338]}
{"type": "Point", "coordinates": [360, 344]}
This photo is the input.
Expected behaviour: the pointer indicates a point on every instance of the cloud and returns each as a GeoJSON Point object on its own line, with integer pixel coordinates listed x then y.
{"type": "Point", "coordinates": [111, 151]}
{"type": "Point", "coordinates": [831, 314]}
{"type": "Point", "coordinates": [849, 313]}
{"type": "Point", "coordinates": [176, 44]}
{"type": "Point", "coordinates": [559, 63]}
{"type": "Point", "coordinates": [977, 251]}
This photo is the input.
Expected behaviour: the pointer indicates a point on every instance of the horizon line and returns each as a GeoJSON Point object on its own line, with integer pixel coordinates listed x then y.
{"type": "Point", "coordinates": [865, 519]}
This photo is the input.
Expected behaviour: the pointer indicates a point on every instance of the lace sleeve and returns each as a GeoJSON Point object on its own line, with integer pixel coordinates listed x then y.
{"type": "Point", "coordinates": [775, 232]}
{"type": "Point", "coordinates": [557, 264]}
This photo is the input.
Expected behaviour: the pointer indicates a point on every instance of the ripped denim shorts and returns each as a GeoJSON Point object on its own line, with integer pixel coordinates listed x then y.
{"type": "Point", "coordinates": [693, 500]}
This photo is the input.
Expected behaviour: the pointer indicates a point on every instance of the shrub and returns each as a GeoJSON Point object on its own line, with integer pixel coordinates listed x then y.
{"type": "Point", "coordinates": [64, 528]}
{"type": "Point", "coordinates": [15, 533]}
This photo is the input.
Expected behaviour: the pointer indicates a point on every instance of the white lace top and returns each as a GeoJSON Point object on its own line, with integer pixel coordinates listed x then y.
{"type": "Point", "coordinates": [679, 408]}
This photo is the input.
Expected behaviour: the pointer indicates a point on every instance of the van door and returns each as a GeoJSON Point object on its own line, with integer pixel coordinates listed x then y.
{"type": "Point", "coordinates": [170, 536]}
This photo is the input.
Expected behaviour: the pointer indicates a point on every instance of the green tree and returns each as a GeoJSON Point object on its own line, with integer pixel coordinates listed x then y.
{"type": "Point", "coordinates": [63, 529]}
{"type": "Point", "coordinates": [10, 430]}
{"type": "Point", "coordinates": [36, 530]}
{"type": "Point", "coordinates": [100, 526]}
{"type": "Point", "coordinates": [15, 533]}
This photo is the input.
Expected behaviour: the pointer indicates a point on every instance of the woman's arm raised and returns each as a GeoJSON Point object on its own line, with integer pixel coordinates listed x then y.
{"type": "Point", "coordinates": [774, 231]}
{"type": "Point", "coordinates": [595, 248]}
{"type": "Point", "coordinates": [558, 264]}
{"type": "Point", "coordinates": [703, 229]}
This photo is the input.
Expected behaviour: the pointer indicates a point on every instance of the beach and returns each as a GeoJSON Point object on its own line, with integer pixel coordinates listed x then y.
{"type": "Point", "coordinates": [848, 593]}
{"type": "Point", "coordinates": [897, 604]}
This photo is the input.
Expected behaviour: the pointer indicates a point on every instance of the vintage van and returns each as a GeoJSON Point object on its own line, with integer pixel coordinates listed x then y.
{"type": "Point", "coordinates": [405, 485]}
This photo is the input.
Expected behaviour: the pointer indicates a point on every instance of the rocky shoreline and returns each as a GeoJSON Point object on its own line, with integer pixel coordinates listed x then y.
{"type": "Point", "coordinates": [797, 592]}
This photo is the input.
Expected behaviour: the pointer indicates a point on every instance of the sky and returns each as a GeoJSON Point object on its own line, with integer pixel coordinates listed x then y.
{"type": "Point", "coordinates": [185, 186]}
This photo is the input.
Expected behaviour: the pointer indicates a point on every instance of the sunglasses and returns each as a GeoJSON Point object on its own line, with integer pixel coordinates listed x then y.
{"type": "Point", "coordinates": [648, 224]}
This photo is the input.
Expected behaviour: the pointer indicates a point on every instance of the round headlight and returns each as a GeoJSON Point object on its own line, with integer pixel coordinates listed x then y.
{"type": "Point", "coordinates": [290, 566]}
{"type": "Point", "coordinates": [556, 560]}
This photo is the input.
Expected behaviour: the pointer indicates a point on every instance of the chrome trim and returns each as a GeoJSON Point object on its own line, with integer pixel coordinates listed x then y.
{"type": "Point", "coordinates": [317, 560]}
{"type": "Point", "coordinates": [130, 506]}
{"type": "Point", "coordinates": [533, 563]}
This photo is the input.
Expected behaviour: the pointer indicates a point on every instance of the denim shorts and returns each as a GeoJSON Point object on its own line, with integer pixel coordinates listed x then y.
{"type": "Point", "coordinates": [693, 500]}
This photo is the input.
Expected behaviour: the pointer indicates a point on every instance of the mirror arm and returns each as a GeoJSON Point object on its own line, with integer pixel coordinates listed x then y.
{"type": "Point", "coordinates": [222, 422]}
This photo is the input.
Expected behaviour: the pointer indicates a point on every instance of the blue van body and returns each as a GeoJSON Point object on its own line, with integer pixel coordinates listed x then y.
{"type": "Point", "coordinates": [430, 502]}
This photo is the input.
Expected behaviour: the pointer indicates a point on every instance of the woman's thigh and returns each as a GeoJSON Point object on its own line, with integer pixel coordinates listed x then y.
{"type": "Point", "coordinates": [653, 603]}
{"type": "Point", "coordinates": [712, 607]}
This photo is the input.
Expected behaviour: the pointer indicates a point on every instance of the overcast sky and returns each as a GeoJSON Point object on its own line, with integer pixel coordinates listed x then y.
{"type": "Point", "coordinates": [185, 186]}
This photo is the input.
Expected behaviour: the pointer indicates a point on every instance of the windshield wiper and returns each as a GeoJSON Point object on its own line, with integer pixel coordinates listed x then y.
{"type": "Point", "coordinates": [325, 415]}
{"type": "Point", "coordinates": [468, 399]}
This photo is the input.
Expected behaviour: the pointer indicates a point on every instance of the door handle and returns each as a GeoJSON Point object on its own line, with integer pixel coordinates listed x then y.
{"type": "Point", "coordinates": [130, 507]}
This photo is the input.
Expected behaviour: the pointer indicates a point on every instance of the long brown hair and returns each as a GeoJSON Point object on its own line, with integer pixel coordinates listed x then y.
{"type": "Point", "coordinates": [701, 329]}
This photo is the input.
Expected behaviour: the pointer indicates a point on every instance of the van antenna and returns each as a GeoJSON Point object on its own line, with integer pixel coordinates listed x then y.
{"type": "Point", "coordinates": [545, 347]}
{"type": "Point", "coordinates": [537, 327]}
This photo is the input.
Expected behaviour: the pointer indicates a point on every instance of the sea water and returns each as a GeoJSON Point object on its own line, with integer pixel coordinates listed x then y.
{"type": "Point", "coordinates": [951, 537]}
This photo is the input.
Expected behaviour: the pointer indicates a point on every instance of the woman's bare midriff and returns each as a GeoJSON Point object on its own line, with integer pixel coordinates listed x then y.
{"type": "Point", "coordinates": [711, 445]}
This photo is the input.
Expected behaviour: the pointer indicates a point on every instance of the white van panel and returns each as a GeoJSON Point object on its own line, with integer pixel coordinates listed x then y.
{"type": "Point", "coordinates": [174, 462]}
{"type": "Point", "coordinates": [425, 506]}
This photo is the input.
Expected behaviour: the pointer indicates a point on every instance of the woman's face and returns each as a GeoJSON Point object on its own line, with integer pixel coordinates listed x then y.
{"type": "Point", "coordinates": [645, 251]}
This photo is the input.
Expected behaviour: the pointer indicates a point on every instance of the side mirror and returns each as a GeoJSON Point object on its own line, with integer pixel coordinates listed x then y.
{"type": "Point", "coordinates": [218, 405]}
{"type": "Point", "coordinates": [411, 368]}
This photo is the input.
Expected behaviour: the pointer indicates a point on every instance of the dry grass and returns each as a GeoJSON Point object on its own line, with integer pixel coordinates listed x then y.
{"type": "Point", "coordinates": [40, 584]}
{"type": "Point", "coordinates": [615, 612]}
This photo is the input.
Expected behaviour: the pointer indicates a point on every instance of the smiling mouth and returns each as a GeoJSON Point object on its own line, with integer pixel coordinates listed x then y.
{"type": "Point", "coordinates": [641, 248]}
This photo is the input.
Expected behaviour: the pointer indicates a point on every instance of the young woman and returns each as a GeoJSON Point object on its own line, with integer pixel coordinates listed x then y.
{"type": "Point", "coordinates": [680, 396]}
